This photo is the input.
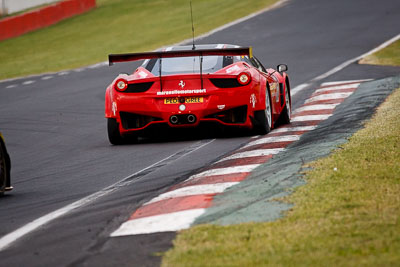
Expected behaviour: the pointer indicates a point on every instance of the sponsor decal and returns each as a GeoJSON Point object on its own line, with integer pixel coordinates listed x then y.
{"type": "Point", "coordinates": [274, 91]}
{"type": "Point", "coordinates": [182, 84]}
{"type": "Point", "coordinates": [253, 100]}
{"type": "Point", "coordinates": [221, 107]}
{"type": "Point", "coordinates": [183, 92]}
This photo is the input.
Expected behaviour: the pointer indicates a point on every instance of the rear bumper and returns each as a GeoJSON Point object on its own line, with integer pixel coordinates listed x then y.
{"type": "Point", "coordinates": [136, 113]}
{"type": "Point", "coordinates": [134, 122]}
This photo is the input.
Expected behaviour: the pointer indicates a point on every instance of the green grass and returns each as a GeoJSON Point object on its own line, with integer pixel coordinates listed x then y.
{"type": "Point", "coordinates": [388, 56]}
{"type": "Point", "coordinates": [116, 26]}
{"type": "Point", "coordinates": [347, 217]}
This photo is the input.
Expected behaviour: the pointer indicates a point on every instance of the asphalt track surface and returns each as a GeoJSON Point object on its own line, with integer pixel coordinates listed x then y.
{"type": "Point", "coordinates": [56, 134]}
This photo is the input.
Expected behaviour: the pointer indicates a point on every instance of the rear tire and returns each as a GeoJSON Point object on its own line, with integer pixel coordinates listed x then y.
{"type": "Point", "coordinates": [286, 112]}
{"type": "Point", "coordinates": [263, 118]}
{"type": "Point", "coordinates": [4, 169]}
{"type": "Point", "coordinates": [114, 136]}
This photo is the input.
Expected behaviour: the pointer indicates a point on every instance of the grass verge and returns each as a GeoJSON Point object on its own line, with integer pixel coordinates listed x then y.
{"type": "Point", "coordinates": [116, 26]}
{"type": "Point", "coordinates": [388, 56]}
{"type": "Point", "coordinates": [346, 217]}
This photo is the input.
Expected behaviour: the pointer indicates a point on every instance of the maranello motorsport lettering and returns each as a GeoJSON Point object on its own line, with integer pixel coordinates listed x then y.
{"type": "Point", "coordinates": [182, 92]}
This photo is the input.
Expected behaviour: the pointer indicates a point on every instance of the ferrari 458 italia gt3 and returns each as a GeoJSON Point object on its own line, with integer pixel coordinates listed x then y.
{"type": "Point", "coordinates": [184, 87]}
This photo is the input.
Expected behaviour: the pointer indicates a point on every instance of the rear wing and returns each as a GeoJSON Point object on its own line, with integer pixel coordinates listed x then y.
{"type": "Point", "coordinates": [241, 51]}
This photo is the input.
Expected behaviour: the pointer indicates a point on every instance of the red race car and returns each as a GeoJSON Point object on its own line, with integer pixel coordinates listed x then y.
{"type": "Point", "coordinates": [185, 86]}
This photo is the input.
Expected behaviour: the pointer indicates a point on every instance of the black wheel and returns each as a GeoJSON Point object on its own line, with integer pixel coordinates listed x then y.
{"type": "Point", "coordinates": [4, 168]}
{"type": "Point", "coordinates": [286, 113]}
{"type": "Point", "coordinates": [114, 136]}
{"type": "Point", "coordinates": [263, 118]}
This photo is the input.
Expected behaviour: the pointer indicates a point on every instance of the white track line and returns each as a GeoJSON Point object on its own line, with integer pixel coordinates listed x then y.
{"type": "Point", "coordinates": [28, 82]}
{"type": "Point", "coordinates": [328, 97]}
{"type": "Point", "coordinates": [193, 190]}
{"type": "Point", "coordinates": [343, 82]}
{"type": "Point", "coordinates": [98, 65]}
{"type": "Point", "coordinates": [294, 129]}
{"type": "Point", "coordinates": [344, 65]}
{"type": "Point", "coordinates": [225, 171]}
{"type": "Point", "coordinates": [273, 139]}
{"type": "Point", "coordinates": [350, 61]}
{"type": "Point", "coordinates": [311, 118]}
{"type": "Point", "coordinates": [298, 88]}
{"type": "Point", "coordinates": [253, 153]}
{"type": "Point", "coordinates": [169, 222]}
{"type": "Point", "coordinates": [63, 73]}
{"type": "Point", "coordinates": [337, 88]}
{"type": "Point", "coordinates": [10, 238]}
{"type": "Point", "coordinates": [79, 70]}
{"type": "Point", "coordinates": [316, 107]}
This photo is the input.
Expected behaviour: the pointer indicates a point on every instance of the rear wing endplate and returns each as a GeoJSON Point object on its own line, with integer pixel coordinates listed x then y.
{"type": "Point", "coordinates": [241, 51]}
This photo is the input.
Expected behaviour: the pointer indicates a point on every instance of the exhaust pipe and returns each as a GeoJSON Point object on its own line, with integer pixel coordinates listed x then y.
{"type": "Point", "coordinates": [191, 118]}
{"type": "Point", "coordinates": [174, 119]}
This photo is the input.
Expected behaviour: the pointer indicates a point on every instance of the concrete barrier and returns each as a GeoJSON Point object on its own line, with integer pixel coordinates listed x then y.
{"type": "Point", "coordinates": [17, 25]}
{"type": "Point", "coordinates": [8, 7]}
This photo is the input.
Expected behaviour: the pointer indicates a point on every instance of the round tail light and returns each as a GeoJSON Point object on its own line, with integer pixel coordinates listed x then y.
{"type": "Point", "coordinates": [244, 78]}
{"type": "Point", "coordinates": [121, 85]}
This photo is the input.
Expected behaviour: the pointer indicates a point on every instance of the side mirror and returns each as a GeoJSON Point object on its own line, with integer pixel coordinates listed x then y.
{"type": "Point", "coordinates": [282, 67]}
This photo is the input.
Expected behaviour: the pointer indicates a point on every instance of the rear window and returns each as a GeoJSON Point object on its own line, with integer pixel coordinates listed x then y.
{"type": "Point", "coordinates": [178, 65]}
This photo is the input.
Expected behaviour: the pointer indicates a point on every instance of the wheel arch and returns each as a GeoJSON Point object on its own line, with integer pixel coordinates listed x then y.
{"type": "Point", "coordinates": [108, 104]}
{"type": "Point", "coordinates": [287, 86]}
{"type": "Point", "coordinates": [268, 91]}
{"type": "Point", "coordinates": [264, 84]}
